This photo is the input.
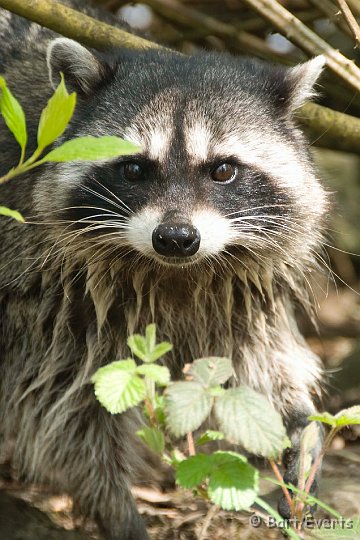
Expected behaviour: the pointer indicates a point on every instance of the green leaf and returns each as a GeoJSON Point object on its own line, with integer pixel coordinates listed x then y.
{"type": "Point", "coordinates": [159, 374]}
{"type": "Point", "coordinates": [90, 149]}
{"type": "Point", "coordinates": [341, 529]}
{"type": "Point", "coordinates": [325, 418]}
{"type": "Point", "coordinates": [233, 483]}
{"type": "Point", "coordinates": [11, 213]}
{"type": "Point", "coordinates": [117, 386]}
{"type": "Point", "coordinates": [246, 417]}
{"type": "Point", "coordinates": [208, 436]}
{"type": "Point", "coordinates": [137, 345]}
{"type": "Point", "coordinates": [160, 350]}
{"type": "Point", "coordinates": [191, 472]}
{"type": "Point", "coordinates": [55, 116]}
{"type": "Point", "coordinates": [153, 438]}
{"type": "Point", "coordinates": [150, 337]}
{"type": "Point", "coordinates": [348, 417]}
{"type": "Point", "coordinates": [187, 406]}
{"type": "Point", "coordinates": [13, 114]}
{"type": "Point", "coordinates": [211, 371]}
{"type": "Point", "coordinates": [159, 409]}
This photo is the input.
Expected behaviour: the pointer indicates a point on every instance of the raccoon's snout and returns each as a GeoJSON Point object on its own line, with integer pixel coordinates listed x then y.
{"type": "Point", "coordinates": [181, 240]}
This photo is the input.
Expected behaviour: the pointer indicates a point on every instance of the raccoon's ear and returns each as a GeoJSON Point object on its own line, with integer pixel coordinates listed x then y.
{"type": "Point", "coordinates": [301, 80]}
{"type": "Point", "coordinates": [82, 70]}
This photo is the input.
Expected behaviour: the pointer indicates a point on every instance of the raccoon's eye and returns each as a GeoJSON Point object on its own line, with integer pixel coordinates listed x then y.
{"type": "Point", "coordinates": [225, 172]}
{"type": "Point", "coordinates": [133, 171]}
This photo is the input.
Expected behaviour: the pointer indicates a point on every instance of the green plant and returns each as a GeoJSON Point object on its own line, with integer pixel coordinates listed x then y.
{"type": "Point", "coordinates": [244, 417]}
{"type": "Point", "coordinates": [54, 119]}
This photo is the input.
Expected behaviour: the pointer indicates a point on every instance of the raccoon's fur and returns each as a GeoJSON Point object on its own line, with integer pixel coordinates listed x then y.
{"type": "Point", "coordinates": [210, 232]}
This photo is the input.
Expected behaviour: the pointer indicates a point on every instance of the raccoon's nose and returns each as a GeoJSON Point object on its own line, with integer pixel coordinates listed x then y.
{"type": "Point", "coordinates": [176, 240]}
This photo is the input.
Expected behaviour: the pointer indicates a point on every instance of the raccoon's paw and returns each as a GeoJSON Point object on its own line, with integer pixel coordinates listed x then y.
{"type": "Point", "coordinates": [291, 463]}
{"type": "Point", "coordinates": [133, 528]}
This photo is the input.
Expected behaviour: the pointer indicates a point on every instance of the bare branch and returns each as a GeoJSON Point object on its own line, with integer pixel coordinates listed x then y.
{"type": "Point", "coordinates": [332, 129]}
{"type": "Point", "coordinates": [350, 19]}
{"type": "Point", "coordinates": [75, 25]}
{"type": "Point", "coordinates": [307, 40]}
{"type": "Point", "coordinates": [331, 11]}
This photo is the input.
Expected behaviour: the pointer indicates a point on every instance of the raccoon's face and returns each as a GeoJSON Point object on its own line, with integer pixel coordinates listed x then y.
{"type": "Point", "coordinates": [222, 169]}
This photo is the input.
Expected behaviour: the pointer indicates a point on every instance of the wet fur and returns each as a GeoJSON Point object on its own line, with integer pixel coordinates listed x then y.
{"type": "Point", "coordinates": [68, 304]}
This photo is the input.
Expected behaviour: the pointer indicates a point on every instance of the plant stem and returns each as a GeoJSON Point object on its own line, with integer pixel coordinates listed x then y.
{"type": "Point", "coordinates": [209, 516]}
{"type": "Point", "coordinates": [320, 457]}
{"type": "Point", "coordinates": [278, 475]}
{"type": "Point", "coordinates": [263, 504]}
{"type": "Point", "coordinates": [310, 499]}
{"type": "Point", "coordinates": [191, 445]}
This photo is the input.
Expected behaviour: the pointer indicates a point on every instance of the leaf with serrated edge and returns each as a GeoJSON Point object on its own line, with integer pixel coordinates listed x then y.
{"type": "Point", "coordinates": [13, 114]}
{"type": "Point", "coordinates": [211, 371]}
{"type": "Point", "coordinates": [11, 213]}
{"type": "Point", "coordinates": [194, 470]}
{"type": "Point", "coordinates": [209, 436]}
{"type": "Point", "coordinates": [325, 418]}
{"type": "Point", "coordinates": [159, 374]}
{"type": "Point", "coordinates": [246, 417]}
{"type": "Point", "coordinates": [233, 483]}
{"type": "Point", "coordinates": [117, 386]}
{"type": "Point", "coordinates": [348, 417]}
{"type": "Point", "coordinates": [90, 149]}
{"type": "Point", "coordinates": [153, 438]}
{"type": "Point", "coordinates": [137, 345]}
{"type": "Point", "coordinates": [160, 350]}
{"type": "Point", "coordinates": [187, 406]}
{"type": "Point", "coordinates": [55, 116]}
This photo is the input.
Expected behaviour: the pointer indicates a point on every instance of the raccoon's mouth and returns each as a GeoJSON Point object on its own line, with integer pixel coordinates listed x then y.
{"type": "Point", "coordinates": [179, 262]}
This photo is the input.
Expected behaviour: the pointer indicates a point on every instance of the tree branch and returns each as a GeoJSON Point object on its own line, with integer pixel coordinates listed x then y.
{"type": "Point", "coordinates": [332, 129]}
{"type": "Point", "coordinates": [307, 40]}
{"type": "Point", "coordinates": [72, 24]}
{"type": "Point", "coordinates": [350, 19]}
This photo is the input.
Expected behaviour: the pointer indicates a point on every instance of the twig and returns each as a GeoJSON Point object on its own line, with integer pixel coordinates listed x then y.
{"type": "Point", "coordinates": [307, 40]}
{"type": "Point", "coordinates": [175, 11]}
{"type": "Point", "coordinates": [191, 445]}
{"type": "Point", "coordinates": [350, 19]}
{"type": "Point", "coordinates": [331, 11]}
{"type": "Point", "coordinates": [209, 516]}
{"type": "Point", "coordinates": [75, 25]}
{"type": "Point", "coordinates": [335, 130]}
{"type": "Point", "coordinates": [277, 473]}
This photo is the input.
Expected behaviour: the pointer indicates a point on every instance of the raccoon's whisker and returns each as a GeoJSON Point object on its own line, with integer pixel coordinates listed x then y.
{"type": "Point", "coordinates": [122, 207]}
{"type": "Point", "coordinates": [74, 236]}
{"type": "Point", "coordinates": [246, 210]}
{"type": "Point", "coordinates": [113, 195]}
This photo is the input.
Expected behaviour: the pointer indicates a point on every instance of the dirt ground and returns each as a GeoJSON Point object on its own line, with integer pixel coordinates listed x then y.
{"type": "Point", "coordinates": [32, 513]}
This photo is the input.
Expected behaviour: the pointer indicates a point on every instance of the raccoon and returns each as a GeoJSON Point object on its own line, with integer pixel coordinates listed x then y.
{"type": "Point", "coordinates": [210, 231]}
